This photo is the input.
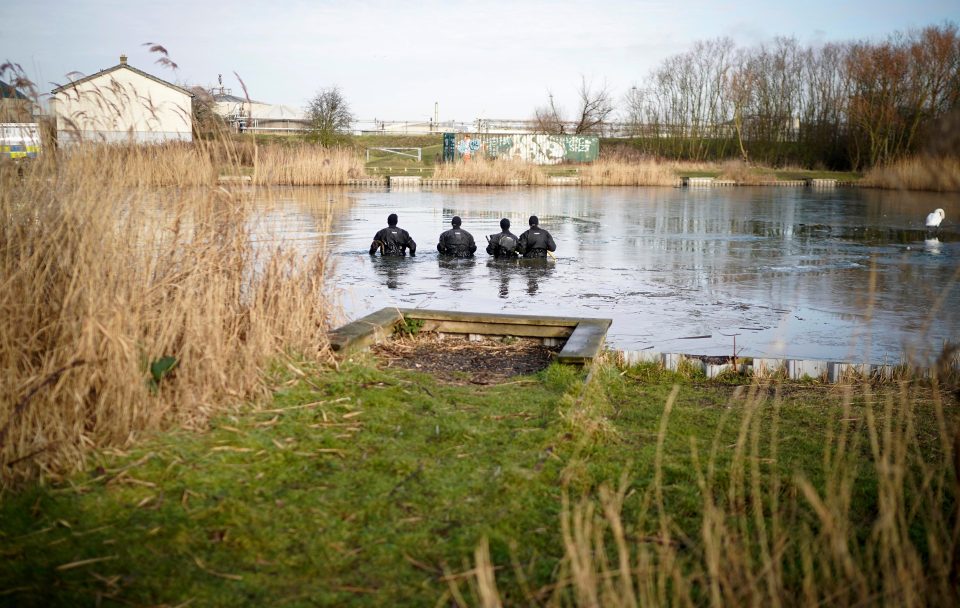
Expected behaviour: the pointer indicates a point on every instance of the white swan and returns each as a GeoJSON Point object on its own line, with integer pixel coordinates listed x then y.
{"type": "Point", "coordinates": [934, 219]}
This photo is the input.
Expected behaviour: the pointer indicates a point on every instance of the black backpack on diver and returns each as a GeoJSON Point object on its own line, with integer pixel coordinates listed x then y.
{"type": "Point", "coordinates": [503, 245]}
{"type": "Point", "coordinates": [507, 243]}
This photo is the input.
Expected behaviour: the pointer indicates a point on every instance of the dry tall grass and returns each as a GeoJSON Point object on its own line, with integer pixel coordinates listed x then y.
{"type": "Point", "coordinates": [625, 173]}
{"type": "Point", "coordinates": [133, 166]}
{"type": "Point", "coordinates": [742, 173]}
{"type": "Point", "coordinates": [306, 165]}
{"type": "Point", "coordinates": [126, 307]}
{"type": "Point", "coordinates": [917, 173]}
{"type": "Point", "coordinates": [765, 539]}
{"type": "Point", "coordinates": [481, 171]}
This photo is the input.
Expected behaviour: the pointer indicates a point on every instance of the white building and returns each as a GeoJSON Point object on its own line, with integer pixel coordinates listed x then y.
{"type": "Point", "coordinates": [122, 104]}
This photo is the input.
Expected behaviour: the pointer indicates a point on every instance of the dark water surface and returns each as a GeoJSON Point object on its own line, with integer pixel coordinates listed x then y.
{"type": "Point", "coordinates": [833, 274]}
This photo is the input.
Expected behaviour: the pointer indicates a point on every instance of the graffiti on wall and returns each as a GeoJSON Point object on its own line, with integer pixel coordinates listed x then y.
{"type": "Point", "coordinates": [468, 146]}
{"type": "Point", "coordinates": [534, 148]}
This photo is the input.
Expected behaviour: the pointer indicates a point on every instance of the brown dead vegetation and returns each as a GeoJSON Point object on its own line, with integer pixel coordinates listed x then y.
{"type": "Point", "coordinates": [456, 359]}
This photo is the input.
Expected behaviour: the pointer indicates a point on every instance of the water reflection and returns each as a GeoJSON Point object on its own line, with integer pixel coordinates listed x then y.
{"type": "Point", "coordinates": [456, 272]}
{"type": "Point", "coordinates": [536, 271]}
{"type": "Point", "coordinates": [501, 272]}
{"type": "Point", "coordinates": [392, 269]}
{"type": "Point", "coordinates": [530, 274]}
{"type": "Point", "coordinates": [797, 272]}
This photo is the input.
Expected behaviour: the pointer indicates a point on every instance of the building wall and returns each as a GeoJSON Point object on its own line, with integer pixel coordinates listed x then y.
{"type": "Point", "coordinates": [122, 106]}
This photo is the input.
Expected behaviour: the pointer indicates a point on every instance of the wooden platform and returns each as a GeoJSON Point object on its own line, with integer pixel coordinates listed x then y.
{"type": "Point", "coordinates": [584, 336]}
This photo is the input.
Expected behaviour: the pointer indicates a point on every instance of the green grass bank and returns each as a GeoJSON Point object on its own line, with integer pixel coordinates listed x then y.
{"type": "Point", "coordinates": [375, 487]}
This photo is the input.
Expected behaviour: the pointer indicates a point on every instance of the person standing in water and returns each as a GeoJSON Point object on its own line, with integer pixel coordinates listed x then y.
{"type": "Point", "coordinates": [456, 241]}
{"type": "Point", "coordinates": [393, 240]}
{"type": "Point", "coordinates": [535, 242]}
{"type": "Point", "coordinates": [503, 245]}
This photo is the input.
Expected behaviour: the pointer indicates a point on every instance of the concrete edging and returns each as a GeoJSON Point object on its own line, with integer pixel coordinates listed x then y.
{"type": "Point", "coordinates": [793, 369]}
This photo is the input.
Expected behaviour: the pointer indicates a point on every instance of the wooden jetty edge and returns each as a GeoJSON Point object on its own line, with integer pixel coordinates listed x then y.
{"type": "Point", "coordinates": [584, 336]}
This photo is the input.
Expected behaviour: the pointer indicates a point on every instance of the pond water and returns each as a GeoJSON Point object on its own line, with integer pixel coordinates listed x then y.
{"type": "Point", "coordinates": [844, 274]}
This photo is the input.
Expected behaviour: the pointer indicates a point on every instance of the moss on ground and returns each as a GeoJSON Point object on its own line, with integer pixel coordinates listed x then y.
{"type": "Point", "coordinates": [372, 487]}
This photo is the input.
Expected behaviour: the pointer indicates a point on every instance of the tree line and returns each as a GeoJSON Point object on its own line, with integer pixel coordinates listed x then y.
{"type": "Point", "coordinates": [848, 105]}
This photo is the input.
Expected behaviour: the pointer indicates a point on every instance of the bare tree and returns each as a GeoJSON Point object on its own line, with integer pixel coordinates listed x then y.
{"type": "Point", "coordinates": [739, 88]}
{"type": "Point", "coordinates": [596, 106]}
{"type": "Point", "coordinates": [329, 115]}
{"type": "Point", "coordinates": [838, 105]}
{"type": "Point", "coordinates": [636, 110]}
{"type": "Point", "coordinates": [593, 111]}
{"type": "Point", "coordinates": [549, 118]}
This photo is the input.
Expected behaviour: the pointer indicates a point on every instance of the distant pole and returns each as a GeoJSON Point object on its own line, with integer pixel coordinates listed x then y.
{"type": "Point", "coordinates": [436, 112]}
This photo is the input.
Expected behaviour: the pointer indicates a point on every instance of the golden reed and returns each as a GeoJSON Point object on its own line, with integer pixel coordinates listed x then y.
{"type": "Point", "coordinates": [133, 297]}
{"type": "Point", "coordinates": [481, 171]}
{"type": "Point", "coordinates": [917, 173]}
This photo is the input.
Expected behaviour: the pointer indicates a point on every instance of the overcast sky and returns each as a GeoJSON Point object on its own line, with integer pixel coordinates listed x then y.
{"type": "Point", "coordinates": [392, 60]}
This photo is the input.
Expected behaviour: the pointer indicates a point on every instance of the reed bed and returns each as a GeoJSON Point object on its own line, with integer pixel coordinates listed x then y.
{"type": "Point", "coordinates": [625, 173]}
{"type": "Point", "coordinates": [765, 538]}
{"type": "Point", "coordinates": [481, 171]}
{"type": "Point", "coordinates": [939, 174]}
{"type": "Point", "coordinates": [125, 307]}
{"type": "Point", "coordinates": [133, 166]}
{"type": "Point", "coordinates": [306, 165]}
{"type": "Point", "coordinates": [742, 173]}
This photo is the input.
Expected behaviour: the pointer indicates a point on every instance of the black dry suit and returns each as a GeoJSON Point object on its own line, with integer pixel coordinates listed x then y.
{"type": "Point", "coordinates": [457, 242]}
{"type": "Point", "coordinates": [502, 245]}
{"type": "Point", "coordinates": [536, 242]}
{"type": "Point", "coordinates": [393, 241]}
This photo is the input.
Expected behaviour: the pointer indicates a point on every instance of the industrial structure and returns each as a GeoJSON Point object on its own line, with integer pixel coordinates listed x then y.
{"type": "Point", "coordinates": [247, 115]}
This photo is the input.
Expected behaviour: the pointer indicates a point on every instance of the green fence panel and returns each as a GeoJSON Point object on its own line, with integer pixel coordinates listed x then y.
{"type": "Point", "coordinates": [449, 147]}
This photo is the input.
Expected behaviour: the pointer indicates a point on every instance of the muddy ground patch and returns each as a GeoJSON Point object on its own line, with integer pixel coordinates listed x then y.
{"type": "Point", "coordinates": [459, 360]}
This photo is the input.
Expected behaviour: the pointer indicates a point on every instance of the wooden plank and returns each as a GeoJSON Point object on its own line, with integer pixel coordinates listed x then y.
{"type": "Point", "coordinates": [498, 329]}
{"type": "Point", "coordinates": [585, 342]}
{"type": "Point", "coordinates": [584, 336]}
{"type": "Point", "coordinates": [366, 330]}
{"type": "Point", "coordinates": [489, 317]}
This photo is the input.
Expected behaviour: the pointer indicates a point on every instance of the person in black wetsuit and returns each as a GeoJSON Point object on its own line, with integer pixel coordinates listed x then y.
{"type": "Point", "coordinates": [503, 245]}
{"type": "Point", "coordinates": [456, 241]}
{"type": "Point", "coordinates": [393, 240]}
{"type": "Point", "coordinates": [535, 242]}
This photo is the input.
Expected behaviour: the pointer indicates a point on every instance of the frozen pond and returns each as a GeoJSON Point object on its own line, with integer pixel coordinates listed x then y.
{"type": "Point", "coordinates": [835, 274]}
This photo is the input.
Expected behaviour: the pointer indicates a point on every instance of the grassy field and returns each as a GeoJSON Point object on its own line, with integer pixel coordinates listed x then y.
{"type": "Point", "coordinates": [375, 487]}
{"type": "Point", "coordinates": [381, 163]}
